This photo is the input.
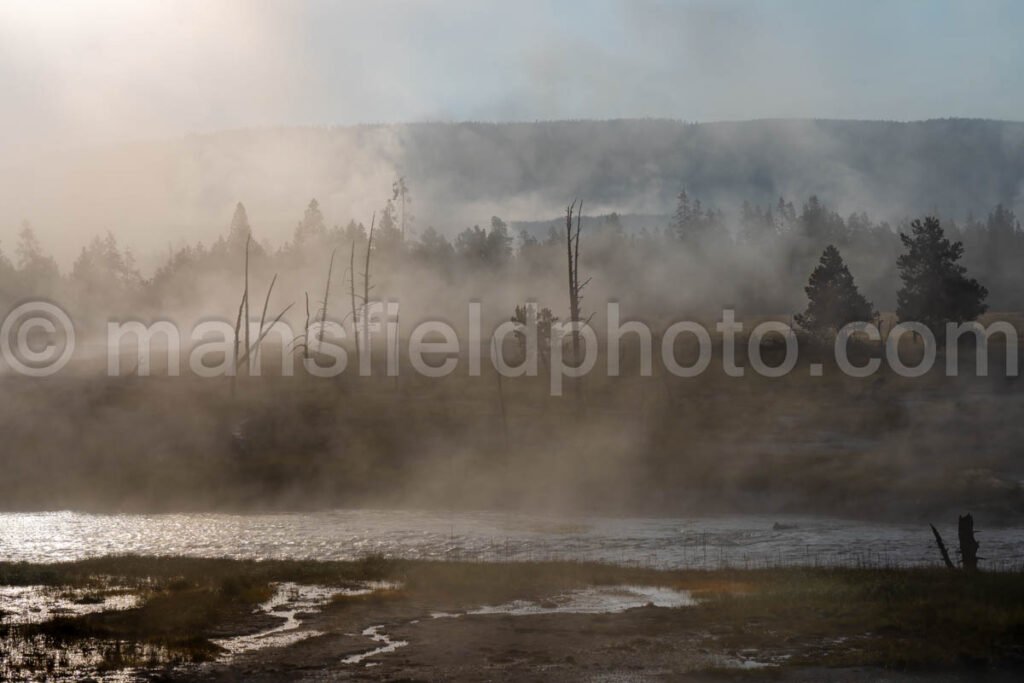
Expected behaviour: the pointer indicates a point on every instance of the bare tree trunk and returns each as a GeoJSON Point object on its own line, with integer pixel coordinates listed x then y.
{"type": "Point", "coordinates": [238, 325]}
{"type": "Point", "coordinates": [942, 548]}
{"type": "Point", "coordinates": [352, 292]}
{"type": "Point", "coordinates": [264, 332]}
{"type": "Point", "coordinates": [572, 243]}
{"type": "Point", "coordinates": [263, 315]}
{"type": "Point", "coordinates": [248, 239]}
{"type": "Point", "coordinates": [366, 289]}
{"type": "Point", "coordinates": [968, 544]}
{"type": "Point", "coordinates": [398, 353]}
{"type": "Point", "coordinates": [323, 313]}
{"type": "Point", "coordinates": [305, 337]}
{"type": "Point", "coordinates": [574, 312]}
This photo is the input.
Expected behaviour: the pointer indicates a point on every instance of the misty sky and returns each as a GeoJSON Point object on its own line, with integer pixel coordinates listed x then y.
{"type": "Point", "coordinates": [107, 70]}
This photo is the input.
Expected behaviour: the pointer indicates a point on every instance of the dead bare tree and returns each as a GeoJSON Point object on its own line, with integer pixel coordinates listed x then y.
{"type": "Point", "coordinates": [305, 333]}
{"type": "Point", "coordinates": [942, 548]}
{"type": "Point", "coordinates": [572, 243]}
{"type": "Point", "coordinates": [323, 311]}
{"type": "Point", "coordinates": [366, 287]}
{"type": "Point", "coordinates": [238, 325]}
{"type": "Point", "coordinates": [266, 302]}
{"type": "Point", "coordinates": [968, 545]}
{"type": "Point", "coordinates": [264, 332]}
{"type": "Point", "coordinates": [245, 300]}
{"type": "Point", "coordinates": [352, 293]}
{"type": "Point", "coordinates": [243, 310]}
{"type": "Point", "coordinates": [253, 350]}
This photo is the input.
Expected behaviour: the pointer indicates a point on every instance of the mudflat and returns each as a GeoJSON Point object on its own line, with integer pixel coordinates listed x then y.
{"type": "Point", "coordinates": [378, 619]}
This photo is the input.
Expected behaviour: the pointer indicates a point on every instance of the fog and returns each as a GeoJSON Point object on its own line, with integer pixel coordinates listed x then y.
{"type": "Point", "coordinates": [469, 340]}
{"type": "Point", "coordinates": [159, 194]}
{"type": "Point", "coordinates": [142, 146]}
{"type": "Point", "coordinates": [114, 111]}
{"type": "Point", "coordinates": [629, 443]}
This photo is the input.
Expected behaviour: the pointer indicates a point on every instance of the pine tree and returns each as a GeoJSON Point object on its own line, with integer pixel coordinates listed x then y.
{"type": "Point", "coordinates": [820, 224]}
{"type": "Point", "coordinates": [388, 235]}
{"type": "Point", "coordinates": [38, 271]}
{"type": "Point", "coordinates": [936, 289]}
{"type": "Point", "coordinates": [687, 221]}
{"type": "Point", "coordinates": [757, 226]}
{"type": "Point", "coordinates": [103, 272]}
{"type": "Point", "coordinates": [1001, 249]}
{"type": "Point", "coordinates": [833, 298]}
{"type": "Point", "coordinates": [239, 231]}
{"type": "Point", "coordinates": [785, 216]}
{"type": "Point", "coordinates": [434, 248]}
{"type": "Point", "coordinates": [311, 228]}
{"type": "Point", "coordinates": [8, 277]}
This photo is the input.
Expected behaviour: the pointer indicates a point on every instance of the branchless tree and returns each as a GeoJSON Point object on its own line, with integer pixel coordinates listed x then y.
{"type": "Point", "coordinates": [572, 243]}
{"type": "Point", "coordinates": [352, 294]}
{"type": "Point", "coordinates": [245, 296]}
{"type": "Point", "coordinates": [321, 313]}
{"type": "Point", "coordinates": [366, 290]}
{"type": "Point", "coordinates": [252, 349]}
{"type": "Point", "coordinates": [968, 545]}
{"type": "Point", "coordinates": [323, 310]}
{"type": "Point", "coordinates": [243, 311]}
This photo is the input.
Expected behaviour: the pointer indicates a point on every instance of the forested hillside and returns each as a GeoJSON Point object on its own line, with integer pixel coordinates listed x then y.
{"type": "Point", "coordinates": [150, 194]}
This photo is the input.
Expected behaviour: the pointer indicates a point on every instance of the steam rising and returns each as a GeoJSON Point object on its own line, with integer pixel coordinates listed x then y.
{"type": "Point", "coordinates": [130, 133]}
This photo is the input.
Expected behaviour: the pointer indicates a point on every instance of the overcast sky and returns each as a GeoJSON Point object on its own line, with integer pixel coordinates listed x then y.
{"type": "Point", "coordinates": [103, 70]}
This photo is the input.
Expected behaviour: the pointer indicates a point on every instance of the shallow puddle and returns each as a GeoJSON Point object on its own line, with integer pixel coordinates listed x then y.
{"type": "Point", "coordinates": [289, 601]}
{"type": "Point", "coordinates": [591, 600]}
{"type": "Point", "coordinates": [36, 604]}
{"type": "Point", "coordinates": [377, 635]}
{"type": "Point", "coordinates": [34, 658]}
{"type": "Point", "coordinates": [739, 662]}
{"type": "Point", "coordinates": [24, 657]}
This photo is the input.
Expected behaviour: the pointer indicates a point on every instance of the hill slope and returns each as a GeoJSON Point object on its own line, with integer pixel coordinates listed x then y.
{"type": "Point", "coordinates": [463, 173]}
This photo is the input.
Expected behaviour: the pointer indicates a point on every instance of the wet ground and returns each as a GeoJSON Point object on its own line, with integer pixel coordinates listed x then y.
{"type": "Point", "coordinates": [570, 635]}
{"type": "Point", "coordinates": [567, 637]}
{"type": "Point", "coordinates": [380, 630]}
{"type": "Point", "coordinates": [36, 657]}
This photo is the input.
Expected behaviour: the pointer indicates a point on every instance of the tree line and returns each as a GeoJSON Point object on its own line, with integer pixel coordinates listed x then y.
{"type": "Point", "coordinates": [765, 254]}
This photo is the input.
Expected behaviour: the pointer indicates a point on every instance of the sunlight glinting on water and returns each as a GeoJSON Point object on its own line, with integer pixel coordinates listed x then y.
{"type": "Point", "coordinates": [348, 534]}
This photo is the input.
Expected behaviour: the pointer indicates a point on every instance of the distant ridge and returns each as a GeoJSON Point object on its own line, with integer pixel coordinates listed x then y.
{"type": "Point", "coordinates": [462, 173]}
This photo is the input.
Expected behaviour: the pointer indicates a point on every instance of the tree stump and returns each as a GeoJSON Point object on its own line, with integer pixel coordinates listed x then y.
{"type": "Point", "coordinates": [968, 544]}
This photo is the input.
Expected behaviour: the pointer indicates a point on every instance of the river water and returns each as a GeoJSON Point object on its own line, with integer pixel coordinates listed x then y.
{"type": "Point", "coordinates": [694, 542]}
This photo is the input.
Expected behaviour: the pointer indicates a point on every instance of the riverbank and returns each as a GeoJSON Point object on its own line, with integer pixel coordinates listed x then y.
{"type": "Point", "coordinates": [377, 619]}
